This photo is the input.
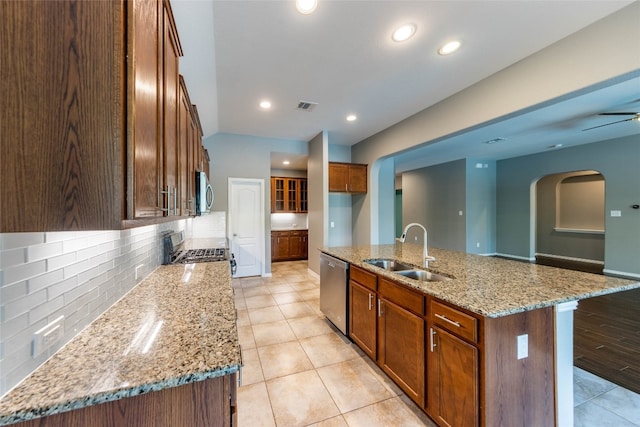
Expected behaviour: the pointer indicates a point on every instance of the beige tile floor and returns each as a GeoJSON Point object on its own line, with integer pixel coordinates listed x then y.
{"type": "Point", "coordinates": [300, 371]}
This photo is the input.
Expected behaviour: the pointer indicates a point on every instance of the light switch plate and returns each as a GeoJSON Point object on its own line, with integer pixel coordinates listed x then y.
{"type": "Point", "coordinates": [523, 346]}
{"type": "Point", "coordinates": [616, 213]}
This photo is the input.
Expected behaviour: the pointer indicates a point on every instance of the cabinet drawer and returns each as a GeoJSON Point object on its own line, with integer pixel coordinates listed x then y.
{"type": "Point", "coordinates": [402, 296]}
{"type": "Point", "coordinates": [453, 320]}
{"type": "Point", "coordinates": [366, 279]}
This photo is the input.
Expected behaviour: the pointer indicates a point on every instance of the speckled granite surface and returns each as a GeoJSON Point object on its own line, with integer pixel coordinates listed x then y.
{"type": "Point", "coordinates": [488, 286]}
{"type": "Point", "coordinates": [176, 327]}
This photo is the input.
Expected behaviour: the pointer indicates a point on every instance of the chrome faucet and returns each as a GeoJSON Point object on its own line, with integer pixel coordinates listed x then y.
{"type": "Point", "coordinates": [403, 237]}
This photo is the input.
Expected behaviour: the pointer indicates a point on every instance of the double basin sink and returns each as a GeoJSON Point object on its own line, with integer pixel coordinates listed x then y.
{"type": "Point", "coordinates": [406, 270]}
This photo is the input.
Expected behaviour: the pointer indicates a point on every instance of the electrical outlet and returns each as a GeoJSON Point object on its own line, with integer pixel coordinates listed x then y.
{"type": "Point", "coordinates": [478, 245]}
{"type": "Point", "coordinates": [523, 346]}
{"type": "Point", "coordinates": [137, 271]}
{"type": "Point", "coordinates": [48, 336]}
{"type": "Point", "coordinates": [616, 213]}
{"type": "Point", "coordinates": [333, 224]}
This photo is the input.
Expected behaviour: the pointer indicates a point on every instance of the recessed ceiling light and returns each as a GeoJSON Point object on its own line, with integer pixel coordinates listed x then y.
{"type": "Point", "coordinates": [404, 33]}
{"type": "Point", "coordinates": [351, 117]}
{"type": "Point", "coordinates": [286, 162]}
{"type": "Point", "coordinates": [450, 47]}
{"type": "Point", "coordinates": [306, 6]}
{"type": "Point", "coordinates": [265, 105]}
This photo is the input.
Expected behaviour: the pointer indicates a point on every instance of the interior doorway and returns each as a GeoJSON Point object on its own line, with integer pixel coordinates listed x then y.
{"type": "Point", "coordinates": [246, 225]}
{"type": "Point", "coordinates": [570, 221]}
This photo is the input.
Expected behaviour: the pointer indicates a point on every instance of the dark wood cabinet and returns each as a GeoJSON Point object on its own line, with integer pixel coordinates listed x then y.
{"type": "Point", "coordinates": [363, 318]}
{"type": "Point", "coordinates": [289, 195]}
{"type": "Point", "coordinates": [100, 148]}
{"type": "Point", "coordinates": [401, 337]}
{"type": "Point", "coordinates": [288, 245]}
{"type": "Point", "coordinates": [461, 368]}
{"type": "Point", "coordinates": [453, 381]}
{"type": "Point", "coordinates": [347, 177]}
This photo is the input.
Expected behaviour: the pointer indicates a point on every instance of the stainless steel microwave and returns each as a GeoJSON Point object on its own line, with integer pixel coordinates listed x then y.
{"type": "Point", "coordinates": [204, 194]}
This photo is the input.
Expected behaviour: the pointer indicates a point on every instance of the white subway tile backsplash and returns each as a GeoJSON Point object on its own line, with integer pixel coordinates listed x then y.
{"type": "Point", "coordinates": [47, 250]}
{"type": "Point", "coordinates": [77, 274]}
{"type": "Point", "coordinates": [23, 272]}
{"type": "Point", "coordinates": [12, 257]}
{"type": "Point", "coordinates": [44, 280]}
{"type": "Point", "coordinates": [21, 240]}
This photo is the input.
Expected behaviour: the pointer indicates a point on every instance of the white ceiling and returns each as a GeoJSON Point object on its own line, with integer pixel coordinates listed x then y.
{"type": "Point", "coordinates": [239, 52]}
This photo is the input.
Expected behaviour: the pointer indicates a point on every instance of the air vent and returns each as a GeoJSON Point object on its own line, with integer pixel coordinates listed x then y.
{"type": "Point", "coordinates": [495, 140]}
{"type": "Point", "coordinates": [306, 106]}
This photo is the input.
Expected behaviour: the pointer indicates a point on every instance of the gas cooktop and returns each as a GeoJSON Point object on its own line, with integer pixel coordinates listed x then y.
{"type": "Point", "coordinates": [175, 254]}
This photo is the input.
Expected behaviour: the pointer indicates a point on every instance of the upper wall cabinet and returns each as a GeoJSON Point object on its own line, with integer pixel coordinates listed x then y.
{"type": "Point", "coordinates": [63, 109]}
{"type": "Point", "coordinates": [90, 107]}
{"type": "Point", "coordinates": [347, 177]}
{"type": "Point", "coordinates": [289, 195]}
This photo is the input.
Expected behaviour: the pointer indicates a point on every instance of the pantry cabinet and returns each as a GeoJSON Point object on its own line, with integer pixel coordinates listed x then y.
{"type": "Point", "coordinates": [288, 245]}
{"type": "Point", "coordinates": [347, 177]}
{"type": "Point", "coordinates": [289, 195]}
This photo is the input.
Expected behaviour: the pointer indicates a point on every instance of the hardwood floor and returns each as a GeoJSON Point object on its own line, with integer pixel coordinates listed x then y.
{"type": "Point", "coordinates": [607, 337]}
{"type": "Point", "coordinates": [606, 331]}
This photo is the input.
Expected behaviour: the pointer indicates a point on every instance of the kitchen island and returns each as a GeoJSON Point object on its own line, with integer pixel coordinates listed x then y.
{"type": "Point", "coordinates": [167, 353]}
{"type": "Point", "coordinates": [489, 345]}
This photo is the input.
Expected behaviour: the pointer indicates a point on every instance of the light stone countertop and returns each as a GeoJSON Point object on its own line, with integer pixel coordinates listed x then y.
{"type": "Point", "coordinates": [489, 286]}
{"type": "Point", "coordinates": [177, 326]}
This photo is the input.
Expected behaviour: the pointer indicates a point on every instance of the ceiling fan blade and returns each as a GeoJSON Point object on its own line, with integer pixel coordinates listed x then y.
{"type": "Point", "coordinates": [612, 123]}
{"type": "Point", "coordinates": [619, 114]}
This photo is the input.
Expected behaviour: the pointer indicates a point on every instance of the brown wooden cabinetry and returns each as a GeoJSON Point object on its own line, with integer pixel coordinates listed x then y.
{"type": "Point", "coordinates": [287, 245]}
{"type": "Point", "coordinates": [208, 403]}
{"type": "Point", "coordinates": [111, 152]}
{"type": "Point", "coordinates": [401, 337]}
{"type": "Point", "coordinates": [347, 177]}
{"type": "Point", "coordinates": [461, 368]}
{"type": "Point", "coordinates": [289, 195]}
{"type": "Point", "coordinates": [363, 302]}
{"type": "Point", "coordinates": [453, 382]}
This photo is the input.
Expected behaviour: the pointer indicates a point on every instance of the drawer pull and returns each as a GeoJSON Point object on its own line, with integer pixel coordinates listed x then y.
{"type": "Point", "coordinates": [432, 344]}
{"type": "Point", "coordinates": [453, 322]}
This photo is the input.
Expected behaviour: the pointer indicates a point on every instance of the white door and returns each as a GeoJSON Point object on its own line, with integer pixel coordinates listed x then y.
{"type": "Point", "coordinates": [246, 225]}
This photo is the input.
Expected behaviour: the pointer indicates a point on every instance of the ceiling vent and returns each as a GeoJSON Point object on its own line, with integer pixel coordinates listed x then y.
{"type": "Point", "coordinates": [495, 140]}
{"type": "Point", "coordinates": [306, 106]}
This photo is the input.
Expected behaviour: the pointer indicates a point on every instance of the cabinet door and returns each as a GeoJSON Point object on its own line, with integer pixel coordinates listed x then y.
{"type": "Point", "coordinates": [281, 250]}
{"type": "Point", "coordinates": [295, 245]}
{"type": "Point", "coordinates": [184, 150]}
{"type": "Point", "coordinates": [303, 196]}
{"type": "Point", "coordinates": [292, 195]}
{"type": "Point", "coordinates": [145, 137]}
{"type": "Point", "coordinates": [401, 348]}
{"type": "Point", "coordinates": [171, 54]}
{"type": "Point", "coordinates": [362, 318]}
{"type": "Point", "coordinates": [305, 245]}
{"type": "Point", "coordinates": [338, 177]}
{"type": "Point", "coordinates": [278, 194]}
{"type": "Point", "coordinates": [357, 178]}
{"type": "Point", "coordinates": [452, 380]}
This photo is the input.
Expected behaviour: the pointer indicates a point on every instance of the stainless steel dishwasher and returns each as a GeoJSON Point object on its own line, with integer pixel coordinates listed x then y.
{"type": "Point", "coordinates": [334, 274]}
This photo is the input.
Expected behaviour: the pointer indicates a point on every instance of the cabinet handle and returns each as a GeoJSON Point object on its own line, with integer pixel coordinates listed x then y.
{"type": "Point", "coordinates": [175, 200]}
{"type": "Point", "coordinates": [346, 187]}
{"type": "Point", "coordinates": [380, 312]}
{"type": "Point", "coordinates": [161, 194]}
{"type": "Point", "coordinates": [453, 322]}
{"type": "Point", "coordinates": [370, 298]}
{"type": "Point", "coordinates": [432, 343]}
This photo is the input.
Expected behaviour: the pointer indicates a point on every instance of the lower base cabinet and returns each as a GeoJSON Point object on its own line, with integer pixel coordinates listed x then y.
{"type": "Point", "coordinates": [208, 403]}
{"type": "Point", "coordinates": [289, 245]}
{"type": "Point", "coordinates": [453, 386]}
{"type": "Point", "coordinates": [459, 367]}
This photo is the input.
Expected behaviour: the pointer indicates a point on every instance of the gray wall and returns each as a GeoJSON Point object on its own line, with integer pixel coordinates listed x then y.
{"type": "Point", "coordinates": [433, 197]}
{"type": "Point", "coordinates": [618, 160]}
{"type": "Point", "coordinates": [587, 246]}
{"type": "Point", "coordinates": [244, 156]}
{"type": "Point", "coordinates": [557, 71]}
{"type": "Point", "coordinates": [340, 212]}
{"type": "Point", "coordinates": [481, 206]}
{"type": "Point", "coordinates": [318, 176]}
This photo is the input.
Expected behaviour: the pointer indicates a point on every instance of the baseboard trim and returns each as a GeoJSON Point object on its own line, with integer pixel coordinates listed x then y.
{"type": "Point", "coordinates": [520, 258]}
{"type": "Point", "coordinates": [622, 274]}
{"type": "Point", "coordinates": [568, 258]}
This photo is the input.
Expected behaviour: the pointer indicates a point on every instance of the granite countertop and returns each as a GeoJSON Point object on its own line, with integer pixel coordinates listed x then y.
{"type": "Point", "coordinates": [177, 326]}
{"type": "Point", "coordinates": [488, 286]}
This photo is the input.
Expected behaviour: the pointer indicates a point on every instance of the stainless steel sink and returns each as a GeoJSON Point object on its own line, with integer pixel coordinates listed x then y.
{"type": "Point", "coordinates": [423, 275]}
{"type": "Point", "coordinates": [389, 264]}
